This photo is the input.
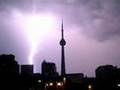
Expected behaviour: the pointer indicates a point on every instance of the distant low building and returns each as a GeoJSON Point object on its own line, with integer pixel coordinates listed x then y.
{"type": "Point", "coordinates": [26, 76]}
{"type": "Point", "coordinates": [74, 81]}
{"type": "Point", "coordinates": [75, 77]}
{"type": "Point", "coordinates": [89, 83]}
{"type": "Point", "coordinates": [27, 69]}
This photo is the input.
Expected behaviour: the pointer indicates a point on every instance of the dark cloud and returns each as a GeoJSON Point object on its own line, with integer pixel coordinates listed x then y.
{"type": "Point", "coordinates": [99, 18]}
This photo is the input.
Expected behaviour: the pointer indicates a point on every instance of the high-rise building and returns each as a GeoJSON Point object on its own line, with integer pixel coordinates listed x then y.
{"type": "Point", "coordinates": [62, 44]}
{"type": "Point", "coordinates": [49, 69]}
{"type": "Point", "coordinates": [107, 77]}
{"type": "Point", "coordinates": [8, 64]}
{"type": "Point", "coordinates": [105, 72]}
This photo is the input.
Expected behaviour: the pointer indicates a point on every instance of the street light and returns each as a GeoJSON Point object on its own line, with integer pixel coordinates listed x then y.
{"type": "Point", "coordinates": [64, 79]}
{"type": "Point", "coordinates": [89, 87]}
{"type": "Point", "coordinates": [39, 81]}
{"type": "Point", "coordinates": [118, 84]}
{"type": "Point", "coordinates": [46, 85]}
{"type": "Point", "coordinates": [50, 84]}
{"type": "Point", "coordinates": [59, 83]}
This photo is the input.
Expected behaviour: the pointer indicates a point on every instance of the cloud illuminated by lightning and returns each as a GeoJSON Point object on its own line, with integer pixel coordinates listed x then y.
{"type": "Point", "coordinates": [37, 26]}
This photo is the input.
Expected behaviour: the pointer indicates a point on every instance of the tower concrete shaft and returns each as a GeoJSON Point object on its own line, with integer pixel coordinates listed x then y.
{"type": "Point", "coordinates": [62, 44]}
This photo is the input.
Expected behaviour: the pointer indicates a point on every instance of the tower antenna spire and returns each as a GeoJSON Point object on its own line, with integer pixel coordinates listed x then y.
{"type": "Point", "coordinates": [62, 29]}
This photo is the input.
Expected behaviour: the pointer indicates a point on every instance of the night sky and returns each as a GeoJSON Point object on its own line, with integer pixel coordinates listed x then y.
{"type": "Point", "coordinates": [92, 32]}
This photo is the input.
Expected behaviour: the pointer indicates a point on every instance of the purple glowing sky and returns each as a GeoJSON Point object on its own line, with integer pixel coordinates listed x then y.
{"type": "Point", "coordinates": [92, 32]}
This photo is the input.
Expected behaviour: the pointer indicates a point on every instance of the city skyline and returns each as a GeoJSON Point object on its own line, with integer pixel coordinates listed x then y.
{"type": "Point", "coordinates": [91, 30]}
{"type": "Point", "coordinates": [23, 77]}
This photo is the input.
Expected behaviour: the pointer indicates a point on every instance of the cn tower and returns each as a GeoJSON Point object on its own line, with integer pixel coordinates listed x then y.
{"type": "Point", "coordinates": [62, 44]}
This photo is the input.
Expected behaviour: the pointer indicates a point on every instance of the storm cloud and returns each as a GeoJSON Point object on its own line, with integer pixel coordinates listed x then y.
{"type": "Point", "coordinates": [98, 18]}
